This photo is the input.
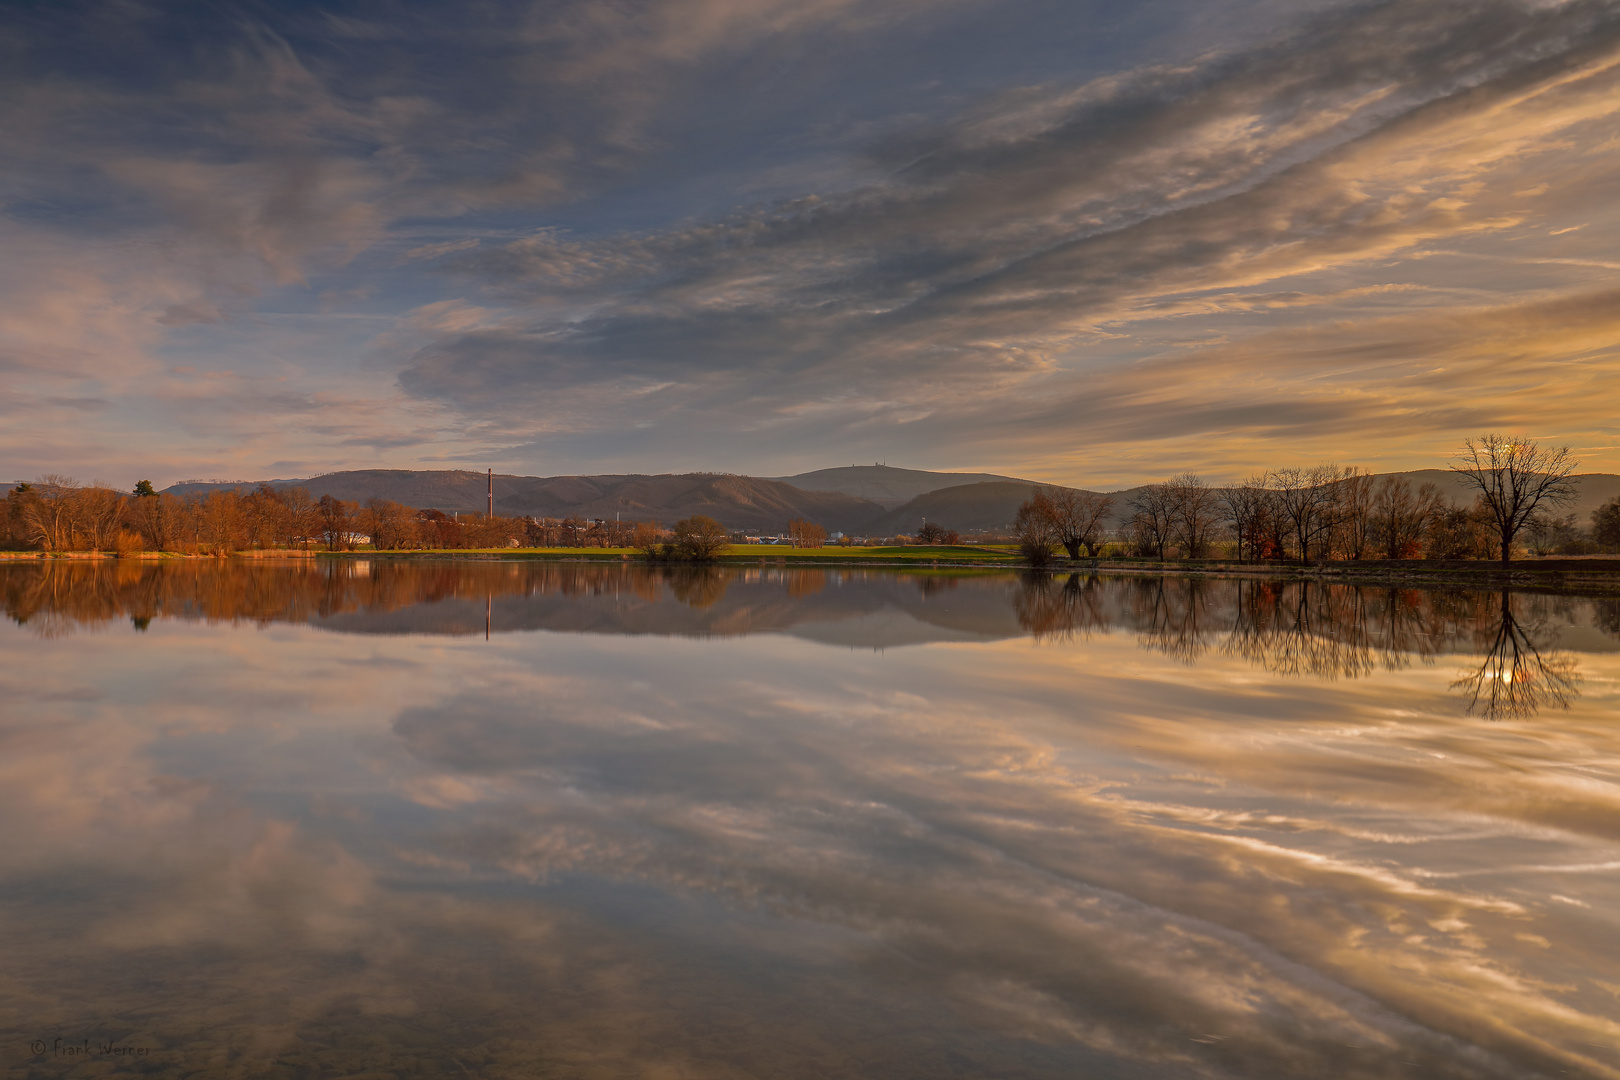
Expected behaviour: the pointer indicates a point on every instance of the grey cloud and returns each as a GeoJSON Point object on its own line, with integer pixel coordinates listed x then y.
{"type": "Point", "coordinates": [385, 442]}
{"type": "Point", "coordinates": [1002, 243]}
{"type": "Point", "coordinates": [197, 311]}
{"type": "Point", "coordinates": [987, 255]}
{"type": "Point", "coordinates": [79, 404]}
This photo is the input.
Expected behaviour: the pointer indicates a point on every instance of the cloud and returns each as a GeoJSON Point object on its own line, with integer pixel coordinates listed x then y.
{"type": "Point", "coordinates": [752, 233]}
{"type": "Point", "coordinates": [434, 251]}
{"type": "Point", "coordinates": [1058, 232]}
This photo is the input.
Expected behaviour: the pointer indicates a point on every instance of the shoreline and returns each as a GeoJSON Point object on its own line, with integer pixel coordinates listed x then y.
{"type": "Point", "coordinates": [1557, 572]}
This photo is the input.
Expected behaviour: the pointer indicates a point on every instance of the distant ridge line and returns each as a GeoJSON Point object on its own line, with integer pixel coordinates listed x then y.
{"type": "Point", "coordinates": [859, 500]}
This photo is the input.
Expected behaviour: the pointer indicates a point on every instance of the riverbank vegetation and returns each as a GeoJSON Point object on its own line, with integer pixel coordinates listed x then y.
{"type": "Point", "coordinates": [58, 514]}
{"type": "Point", "coordinates": [1324, 513]}
{"type": "Point", "coordinates": [1332, 513]}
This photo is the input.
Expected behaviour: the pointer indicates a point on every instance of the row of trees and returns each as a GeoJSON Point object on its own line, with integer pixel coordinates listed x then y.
{"type": "Point", "coordinates": [56, 513]}
{"type": "Point", "coordinates": [1303, 513]}
{"type": "Point", "coordinates": [1333, 512]}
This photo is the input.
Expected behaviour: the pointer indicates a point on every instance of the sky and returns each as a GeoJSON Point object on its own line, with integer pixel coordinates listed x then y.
{"type": "Point", "coordinates": [1081, 241]}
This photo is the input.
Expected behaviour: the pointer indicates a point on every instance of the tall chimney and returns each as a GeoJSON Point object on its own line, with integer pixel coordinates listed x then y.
{"type": "Point", "coordinates": [491, 511]}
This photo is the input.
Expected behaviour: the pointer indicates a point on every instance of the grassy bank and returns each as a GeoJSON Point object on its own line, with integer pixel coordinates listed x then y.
{"type": "Point", "coordinates": [1601, 573]}
{"type": "Point", "coordinates": [1585, 573]}
{"type": "Point", "coordinates": [735, 555]}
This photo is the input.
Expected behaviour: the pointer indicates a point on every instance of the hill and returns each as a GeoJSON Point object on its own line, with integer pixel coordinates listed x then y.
{"type": "Point", "coordinates": [994, 505]}
{"type": "Point", "coordinates": [991, 504]}
{"type": "Point", "coordinates": [746, 502]}
{"type": "Point", "coordinates": [1592, 490]}
{"type": "Point", "coordinates": [450, 490]}
{"type": "Point", "coordinates": [738, 502]}
{"type": "Point", "coordinates": [888, 486]}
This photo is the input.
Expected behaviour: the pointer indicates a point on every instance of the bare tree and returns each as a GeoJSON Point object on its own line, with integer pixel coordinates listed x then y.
{"type": "Point", "coordinates": [1246, 508]}
{"type": "Point", "coordinates": [264, 514]}
{"type": "Point", "coordinates": [335, 517]}
{"type": "Point", "coordinates": [1194, 509]}
{"type": "Point", "coordinates": [48, 514]}
{"type": "Point", "coordinates": [220, 521]}
{"type": "Point", "coordinates": [1154, 519]}
{"type": "Point", "coordinates": [1035, 529]}
{"type": "Point", "coordinates": [1460, 532]}
{"type": "Point", "coordinates": [153, 513]}
{"type": "Point", "coordinates": [303, 518]}
{"type": "Point", "coordinates": [1077, 519]}
{"type": "Point", "coordinates": [98, 512]}
{"type": "Point", "coordinates": [1308, 499]}
{"type": "Point", "coordinates": [390, 525]}
{"type": "Point", "coordinates": [1514, 478]}
{"type": "Point", "coordinates": [1354, 525]}
{"type": "Point", "coordinates": [1400, 518]}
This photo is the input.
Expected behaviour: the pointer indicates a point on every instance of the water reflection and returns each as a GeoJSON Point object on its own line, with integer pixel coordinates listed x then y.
{"type": "Point", "coordinates": [1294, 628]}
{"type": "Point", "coordinates": [1308, 629]}
{"type": "Point", "coordinates": [309, 822]}
{"type": "Point", "coordinates": [1519, 675]}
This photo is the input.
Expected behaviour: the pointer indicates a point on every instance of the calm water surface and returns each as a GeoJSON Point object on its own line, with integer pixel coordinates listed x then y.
{"type": "Point", "coordinates": [526, 820]}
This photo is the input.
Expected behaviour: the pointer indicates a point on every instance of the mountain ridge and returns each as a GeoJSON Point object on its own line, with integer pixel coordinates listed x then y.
{"type": "Point", "coordinates": [888, 485]}
{"type": "Point", "coordinates": [764, 503]}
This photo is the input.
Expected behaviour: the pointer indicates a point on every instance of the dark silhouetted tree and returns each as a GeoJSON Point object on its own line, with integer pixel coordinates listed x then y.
{"type": "Point", "coordinates": [1035, 529]}
{"type": "Point", "coordinates": [1401, 517]}
{"type": "Point", "coordinates": [1606, 525]}
{"type": "Point", "coordinates": [1077, 519]}
{"type": "Point", "coordinates": [1515, 478]}
{"type": "Point", "coordinates": [1153, 520]}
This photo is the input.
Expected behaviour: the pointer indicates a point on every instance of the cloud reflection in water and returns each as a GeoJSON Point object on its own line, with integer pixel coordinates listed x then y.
{"type": "Point", "coordinates": [1127, 827]}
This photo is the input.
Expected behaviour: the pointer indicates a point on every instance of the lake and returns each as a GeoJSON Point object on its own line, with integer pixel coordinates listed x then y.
{"type": "Point", "coordinates": [524, 819]}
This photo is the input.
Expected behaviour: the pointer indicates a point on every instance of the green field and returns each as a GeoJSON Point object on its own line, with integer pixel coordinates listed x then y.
{"type": "Point", "coordinates": [735, 554]}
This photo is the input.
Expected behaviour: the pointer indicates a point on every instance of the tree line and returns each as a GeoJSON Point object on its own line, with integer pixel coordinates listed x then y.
{"type": "Point", "coordinates": [1332, 512]}
{"type": "Point", "coordinates": [56, 513]}
{"type": "Point", "coordinates": [1315, 513]}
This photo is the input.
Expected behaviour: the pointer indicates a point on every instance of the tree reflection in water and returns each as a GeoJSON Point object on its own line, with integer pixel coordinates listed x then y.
{"type": "Point", "coordinates": [1323, 631]}
{"type": "Point", "coordinates": [1305, 629]}
{"type": "Point", "coordinates": [1519, 677]}
{"type": "Point", "coordinates": [697, 586]}
{"type": "Point", "coordinates": [1173, 616]}
{"type": "Point", "coordinates": [1048, 610]}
